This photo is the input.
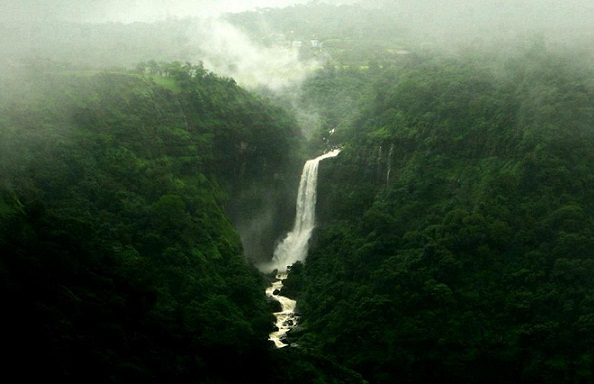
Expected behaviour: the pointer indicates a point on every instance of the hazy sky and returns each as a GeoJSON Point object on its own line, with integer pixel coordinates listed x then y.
{"type": "Point", "coordinates": [131, 10]}
{"type": "Point", "coordinates": [222, 47]}
{"type": "Point", "coordinates": [452, 11]}
{"type": "Point", "coordinates": [228, 51]}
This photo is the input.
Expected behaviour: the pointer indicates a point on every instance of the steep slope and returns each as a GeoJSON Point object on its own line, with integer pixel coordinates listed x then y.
{"type": "Point", "coordinates": [119, 262]}
{"type": "Point", "coordinates": [455, 237]}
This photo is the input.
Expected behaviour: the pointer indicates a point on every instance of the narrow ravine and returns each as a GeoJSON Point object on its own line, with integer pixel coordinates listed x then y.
{"type": "Point", "coordinates": [294, 247]}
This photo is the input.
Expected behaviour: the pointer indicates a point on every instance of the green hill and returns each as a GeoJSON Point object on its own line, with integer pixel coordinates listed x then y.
{"type": "Point", "coordinates": [120, 258]}
{"type": "Point", "coordinates": [455, 241]}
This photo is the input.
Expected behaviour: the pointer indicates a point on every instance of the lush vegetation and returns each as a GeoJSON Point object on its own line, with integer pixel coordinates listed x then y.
{"type": "Point", "coordinates": [456, 235]}
{"type": "Point", "coordinates": [119, 261]}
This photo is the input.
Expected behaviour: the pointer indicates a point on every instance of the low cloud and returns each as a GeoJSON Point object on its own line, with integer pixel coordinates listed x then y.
{"type": "Point", "coordinates": [127, 10]}
{"type": "Point", "coordinates": [226, 50]}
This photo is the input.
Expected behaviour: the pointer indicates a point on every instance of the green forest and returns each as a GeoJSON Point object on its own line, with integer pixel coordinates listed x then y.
{"type": "Point", "coordinates": [455, 230]}
{"type": "Point", "coordinates": [120, 261]}
{"type": "Point", "coordinates": [456, 235]}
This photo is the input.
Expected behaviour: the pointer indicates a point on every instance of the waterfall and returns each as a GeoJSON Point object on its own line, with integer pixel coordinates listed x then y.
{"type": "Point", "coordinates": [389, 164]}
{"type": "Point", "coordinates": [379, 163]}
{"type": "Point", "coordinates": [294, 247]}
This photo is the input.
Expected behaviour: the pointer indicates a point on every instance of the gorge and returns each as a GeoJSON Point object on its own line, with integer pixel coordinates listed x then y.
{"type": "Point", "coordinates": [294, 246]}
{"type": "Point", "coordinates": [160, 221]}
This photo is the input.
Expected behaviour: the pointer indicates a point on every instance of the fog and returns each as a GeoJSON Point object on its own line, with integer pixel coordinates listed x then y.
{"type": "Point", "coordinates": [120, 33]}
{"type": "Point", "coordinates": [254, 41]}
{"type": "Point", "coordinates": [263, 49]}
{"type": "Point", "coordinates": [226, 50]}
{"type": "Point", "coordinates": [465, 19]}
{"type": "Point", "coordinates": [132, 10]}
{"type": "Point", "coordinates": [123, 33]}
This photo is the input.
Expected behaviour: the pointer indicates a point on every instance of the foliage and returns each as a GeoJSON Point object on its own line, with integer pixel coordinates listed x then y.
{"type": "Point", "coordinates": [454, 242]}
{"type": "Point", "coordinates": [119, 260]}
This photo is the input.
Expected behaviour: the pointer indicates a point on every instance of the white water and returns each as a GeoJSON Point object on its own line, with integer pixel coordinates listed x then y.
{"type": "Point", "coordinates": [389, 171]}
{"type": "Point", "coordinates": [294, 246]}
{"type": "Point", "coordinates": [286, 318]}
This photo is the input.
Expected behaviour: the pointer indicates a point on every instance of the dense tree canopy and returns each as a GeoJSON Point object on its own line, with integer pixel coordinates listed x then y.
{"type": "Point", "coordinates": [119, 260]}
{"type": "Point", "coordinates": [455, 237]}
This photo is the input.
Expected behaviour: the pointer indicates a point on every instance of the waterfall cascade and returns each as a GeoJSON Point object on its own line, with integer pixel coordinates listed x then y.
{"type": "Point", "coordinates": [286, 317]}
{"type": "Point", "coordinates": [389, 171]}
{"type": "Point", "coordinates": [294, 246]}
{"type": "Point", "coordinates": [379, 161]}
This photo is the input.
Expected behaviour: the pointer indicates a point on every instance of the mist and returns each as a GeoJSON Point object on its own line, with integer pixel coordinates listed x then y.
{"type": "Point", "coordinates": [224, 49]}
{"type": "Point", "coordinates": [264, 44]}
{"type": "Point", "coordinates": [123, 33]}
{"type": "Point", "coordinates": [133, 11]}
{"type": "Point", "coordinates": [455, 21]}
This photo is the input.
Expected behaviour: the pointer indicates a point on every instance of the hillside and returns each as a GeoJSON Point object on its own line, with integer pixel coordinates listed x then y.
{"type": "Point", "coordinates": [455, 234]}
{"type": "Point", "coordinates": [120, 256]}
{"type": "Point", "coordinates": [454, 237]}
